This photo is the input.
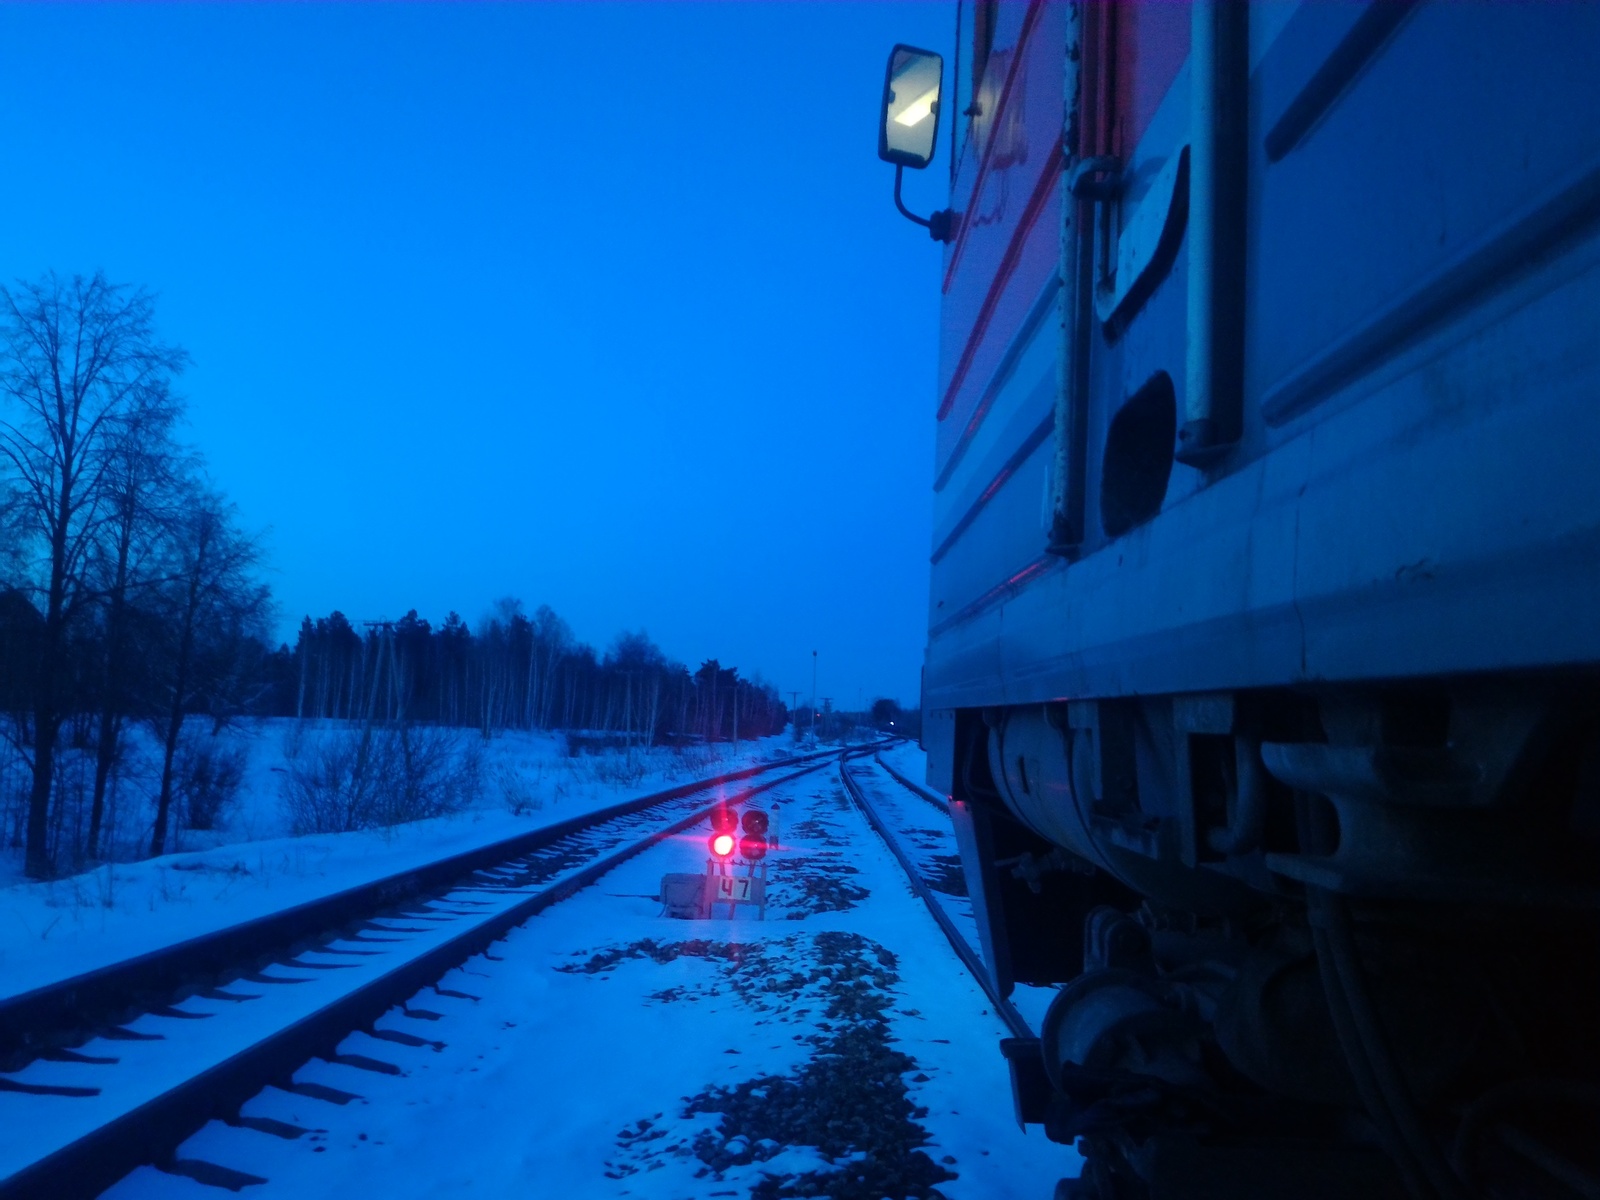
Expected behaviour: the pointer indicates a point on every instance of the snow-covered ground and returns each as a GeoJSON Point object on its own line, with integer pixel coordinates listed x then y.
{"type": "Point", "coordinates": [836, 1049]}
{"type": "Point", "coordinates": [252, 865]}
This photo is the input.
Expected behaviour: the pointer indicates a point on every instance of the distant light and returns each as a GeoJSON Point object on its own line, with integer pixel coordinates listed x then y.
{"type": "Point", "coordinates": [917, 112]}
{"type": "Point", "coordinates": [722, 845]}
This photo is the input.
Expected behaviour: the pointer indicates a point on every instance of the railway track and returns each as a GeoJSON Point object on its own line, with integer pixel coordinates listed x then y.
{"type": "Point", "coordinates": [606, 1049]}
{"type": "Point", "coordinates": [115, 1069]}
{"type": "Point", "coordinates": [914, 823]}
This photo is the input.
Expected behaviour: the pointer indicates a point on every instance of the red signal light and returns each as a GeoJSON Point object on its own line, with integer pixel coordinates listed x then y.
{"type": "Point", "coordinates": [722, 844]}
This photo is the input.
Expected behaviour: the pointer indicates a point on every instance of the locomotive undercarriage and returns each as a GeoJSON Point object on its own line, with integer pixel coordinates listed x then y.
{"type": "Point", "coordinates": [1313, 942]}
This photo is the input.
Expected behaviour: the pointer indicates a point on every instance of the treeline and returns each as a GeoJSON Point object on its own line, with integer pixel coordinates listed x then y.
{"type": "Point", "coordinates": [516, 672]}
{"type": "Point", "coordinates": [127, 591]}
{"type": "Point", "coordinates": [129, 596]}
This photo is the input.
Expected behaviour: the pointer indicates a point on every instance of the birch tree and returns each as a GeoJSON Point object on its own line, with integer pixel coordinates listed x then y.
{"type": "Point", "coordinates": [214, 603]}
{"type": "Point", "coordinates": [141, 482]}
{"type": "Point", "coordinates": [81, 373]}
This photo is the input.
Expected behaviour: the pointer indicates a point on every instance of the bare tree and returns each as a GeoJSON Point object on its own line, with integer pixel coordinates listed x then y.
{"type": "Point", "coordinates": [552, 639]}
{"type": "Point", "coordinates": [141, 482]}
{"type": "Point", "coordinates": [213, 605]}
{"type": "Point", "coordinates": [81, 371]}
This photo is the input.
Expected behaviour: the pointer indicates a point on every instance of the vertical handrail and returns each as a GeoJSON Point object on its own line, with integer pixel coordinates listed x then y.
{"type": "Point", "coordinates": [1077, 259]}
{"type": "Point", "coordinates": [1219, 60]}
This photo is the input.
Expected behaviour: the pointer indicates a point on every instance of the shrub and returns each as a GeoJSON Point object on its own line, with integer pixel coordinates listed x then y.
{"type": "Point", "coordinates": [619, 768]}
{"type": "Point", "coordinates": [693, 760]}
{"type": "Point", "coordinates": [367, 779]}
{"type": "Point", "coordinates": [207, 777]}
{"type": "Point", "coordinates": [519, 795]}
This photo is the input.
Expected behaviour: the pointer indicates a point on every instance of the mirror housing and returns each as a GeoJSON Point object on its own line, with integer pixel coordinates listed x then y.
{"type": "Point", "coordinates": [908, 132]}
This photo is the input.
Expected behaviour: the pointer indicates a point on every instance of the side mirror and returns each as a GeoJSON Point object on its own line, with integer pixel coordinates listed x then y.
{"type": "Point", "coordinates": [909, 130]}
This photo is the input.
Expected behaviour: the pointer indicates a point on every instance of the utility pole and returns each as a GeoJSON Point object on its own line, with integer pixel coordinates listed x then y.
{"type": "Point", "coordinates": [813, 697]}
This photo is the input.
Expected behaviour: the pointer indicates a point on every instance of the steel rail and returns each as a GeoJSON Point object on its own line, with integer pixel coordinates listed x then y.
{"type": "Point", "coordinates": [51, 1016]}
{"type": "Point", "coordinates": [152, 1132]}
{"type": "Point", "coordinates": [928, 794]}
{"type": "Point", "coordinates": [969, 957]}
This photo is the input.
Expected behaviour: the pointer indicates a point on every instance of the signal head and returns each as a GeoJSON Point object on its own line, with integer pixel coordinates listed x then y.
{"type": "Point", "coordinates": [722, 844]}
{"type": "Point", "coordinates": [723, 819]}
{"type": "Point", "coordinates": [753, 847]}
{"type": "Point", "coordinates": [755, 822]}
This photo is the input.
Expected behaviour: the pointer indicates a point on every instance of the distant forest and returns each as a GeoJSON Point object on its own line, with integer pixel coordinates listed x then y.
{"type": "Point", "coordinates": [129, 595]}
{"type": "Point", "coordinates": [514, 672]}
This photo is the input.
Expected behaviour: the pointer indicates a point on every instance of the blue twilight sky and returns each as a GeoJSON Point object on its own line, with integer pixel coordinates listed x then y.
{"type": "Point", "coordinates": [605, 306]}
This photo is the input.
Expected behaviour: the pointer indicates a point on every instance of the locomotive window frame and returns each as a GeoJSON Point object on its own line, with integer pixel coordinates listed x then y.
{"type": "Point", "coordinates": [976, 21]}
{"type": "Point", "coordinates": [985, 16]}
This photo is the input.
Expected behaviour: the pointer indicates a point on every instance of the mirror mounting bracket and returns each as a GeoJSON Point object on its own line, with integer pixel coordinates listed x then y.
{"type": "Point", "coordinates": [941, 226]}
{"type": "Point", "coordinates": [1097, 179]}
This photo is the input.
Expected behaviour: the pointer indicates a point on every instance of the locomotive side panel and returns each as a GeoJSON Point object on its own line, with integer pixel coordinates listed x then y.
{"type": "Point", "coordinates": [1465, 122]}
{"type": "Point", "coordinates": [1264, 686]}
{"type": "Point", "coordinates": [1454, 535]}
{"type": "Point", "coordinates": [1445, 524]}
{"type": "Point", "coordinates": [1006, 244]}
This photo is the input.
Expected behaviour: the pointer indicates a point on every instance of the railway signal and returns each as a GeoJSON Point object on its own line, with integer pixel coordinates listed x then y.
{"type": "Point", "coordinates": [733, 842]}
{"type": "Point", "coordinates": [753, 846]}
{"type": "Point", "coordinates": [724, 881]}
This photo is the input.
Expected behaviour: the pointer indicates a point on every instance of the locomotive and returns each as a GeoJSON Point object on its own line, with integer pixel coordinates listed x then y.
{"type": "Point", "coordinates": [1262, 650]}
